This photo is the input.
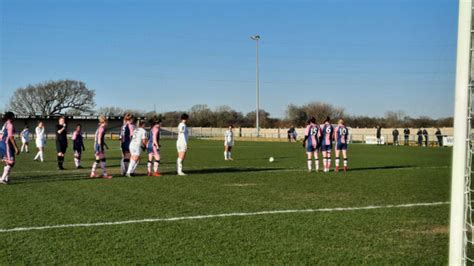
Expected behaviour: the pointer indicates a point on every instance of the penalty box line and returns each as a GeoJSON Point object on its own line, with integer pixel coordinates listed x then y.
{"type": "Point", "coordinates": [235, 214]}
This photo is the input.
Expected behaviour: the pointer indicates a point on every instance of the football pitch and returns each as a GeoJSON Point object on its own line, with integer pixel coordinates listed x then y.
{"type": "Point", "coordinates": [391, 207]}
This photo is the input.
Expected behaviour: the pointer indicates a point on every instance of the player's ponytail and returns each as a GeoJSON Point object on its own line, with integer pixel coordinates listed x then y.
{"type": "Point", "coordinates": [154, 121]}
{"type": "Point", "coordinates": [140, 123]}
{"type": "Point", "coordinates": [127, 117]}
{"type": "Point", "coordinates": [102, 119]}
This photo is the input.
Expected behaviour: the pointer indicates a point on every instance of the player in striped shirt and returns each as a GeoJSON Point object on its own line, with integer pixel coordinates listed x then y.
{"type": "Point", "coordinates": [99, 148]}
{"type": "Point", "coordinates": [126, 133]}
{"type": "Point", "coordinates": [153, 147]}
{"type": "Point", "coordinates": [311, 142]}
{"type": "Point", "coordinates": [25, 139]}
{"type": "Point", "coordinates": [340, 135]}
{"type": "Point", "coordinates": [78, 145]}
{"type": "Point", "coordinates": [327, 131]}
{"type": "Point", "coordinates": [8, 147]}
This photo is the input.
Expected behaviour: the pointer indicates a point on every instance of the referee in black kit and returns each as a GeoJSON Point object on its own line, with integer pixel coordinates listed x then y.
{"type": "Point", "coordinates": [61, 141]}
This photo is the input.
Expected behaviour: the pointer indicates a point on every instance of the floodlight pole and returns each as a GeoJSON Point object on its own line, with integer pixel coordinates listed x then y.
{"type": "Point", "coordinates": [256, 38]}
{"type": "Point", "coordinates": [461, 136]}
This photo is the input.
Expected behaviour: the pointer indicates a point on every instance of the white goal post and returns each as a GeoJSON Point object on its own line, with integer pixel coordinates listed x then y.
{"type": "Point", "coordinates": [461, 151]}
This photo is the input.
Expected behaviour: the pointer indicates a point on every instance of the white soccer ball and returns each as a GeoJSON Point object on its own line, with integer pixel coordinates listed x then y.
{"type": "Point", "coordinates": [271, 159]}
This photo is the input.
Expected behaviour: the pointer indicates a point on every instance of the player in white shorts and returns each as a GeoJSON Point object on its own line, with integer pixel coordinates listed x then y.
{"type": "Point", "coordinates": [182, 143]}
{"type": "Point", "coordinates": [137, 144]}
{"type": "Point", "coordinates": [40, 141]}
{"type": "Point", "coordinates": [25, 139]}
{"type": "Point", "coordinates": [228, 143]}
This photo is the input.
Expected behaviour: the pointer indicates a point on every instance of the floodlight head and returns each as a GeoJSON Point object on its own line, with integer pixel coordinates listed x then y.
{"type": "Point", "coordinates": [255, 37]}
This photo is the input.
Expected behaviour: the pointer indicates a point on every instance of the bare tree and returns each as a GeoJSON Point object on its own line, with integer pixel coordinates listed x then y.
{"type": "Point", "coordinates": [53, 98]}
{"type": "Point", "coordinates": [297, 115]}
{"type": "Point", "coordinates": [201, 115]}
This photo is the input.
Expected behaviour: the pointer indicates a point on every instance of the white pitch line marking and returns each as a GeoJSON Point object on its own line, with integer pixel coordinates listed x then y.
{"type": "Point", "coordinates": [235, 214]}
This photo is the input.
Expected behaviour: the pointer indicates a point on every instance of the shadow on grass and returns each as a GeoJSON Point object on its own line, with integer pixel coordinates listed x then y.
{"type": "Point", "coordinates": [229, 170]}
{"type": "Point", "coordinates": [381, 167]}
{"type": "Point", "coordinates": [49, 178]}
{"type": "Point", "coordinates": [64, 176]}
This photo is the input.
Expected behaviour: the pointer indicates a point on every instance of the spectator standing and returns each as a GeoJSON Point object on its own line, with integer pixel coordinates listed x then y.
{"type": "Point", "coordinates": [439, 136]}
{"type": "Point", "coordinates": [425, 135]}
{"type": "Point", "coordinates": [420, 137]}
{"type": "Point", "coordinates": [406, 133]}
{"type": "Point", "coordinates": [395, 134]}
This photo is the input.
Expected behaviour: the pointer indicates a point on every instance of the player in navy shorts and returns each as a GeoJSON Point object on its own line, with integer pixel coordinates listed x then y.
{"type": "Point", "coordinates": [99, 150]}
{"type": "Point", "coordinates": [327, 131]}
{"type": "Point", "coordinates": [8, 147]}
{"type": "Point", "coordinates": [78, 145]}
{"type": "Point", "coordinates": [311, 142]}
{"type": "Point", "coordinates": [126, 133]}
{"type": "Point", "coordinates": [340, 135]}
{"type": "Point", "coordinates": [153, 148]}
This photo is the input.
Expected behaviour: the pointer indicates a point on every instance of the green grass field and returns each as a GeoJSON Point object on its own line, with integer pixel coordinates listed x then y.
{"type": "Point", "coordinates": [40, 195]}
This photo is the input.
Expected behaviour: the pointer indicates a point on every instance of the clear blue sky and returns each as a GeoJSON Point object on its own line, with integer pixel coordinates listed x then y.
{"type": "Point", "coordinates": [368, 56]}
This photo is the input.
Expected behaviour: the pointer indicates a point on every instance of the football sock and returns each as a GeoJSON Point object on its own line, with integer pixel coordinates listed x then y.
{"type": "Point", "coordinates": [225, 155]}
{"type": "Point", "coordinates": [94, 166]}
{"type": "Point", "coordinates": [310, 162]}
{"type": "Point", "coordinates": [337, 162]}
{"type": "Point", "coordinates": [135, 166]}
{"type": "Point", "coordinates": [156, 165]}
{"type": "Point", "coordinates": [126, 163]}
{"type": "Point", "coordinates": [316, 162]}
{"type": "Point", "coordinates": [179, 165]}
{"type": "Point", "coordinates": [131, 166]}
{"type": "Point", "coordinates": [148, 166]}
{"type": "Point", "coordinates": [60, 161]}
{"type": "Point", "coordinates": [229, 155]}
{"type": "Point", "coordinates": [6, 172]}
{"type": "Point", "coordinates": [122, 166]}
{"type": "Point", "coordinates": [345, 162]}
{"type": "Point", "coordinates": [103, 165]}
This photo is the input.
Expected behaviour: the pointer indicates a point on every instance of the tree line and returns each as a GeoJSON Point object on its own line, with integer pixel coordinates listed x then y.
{"type": "Point", "coordinates": [71, 97]}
